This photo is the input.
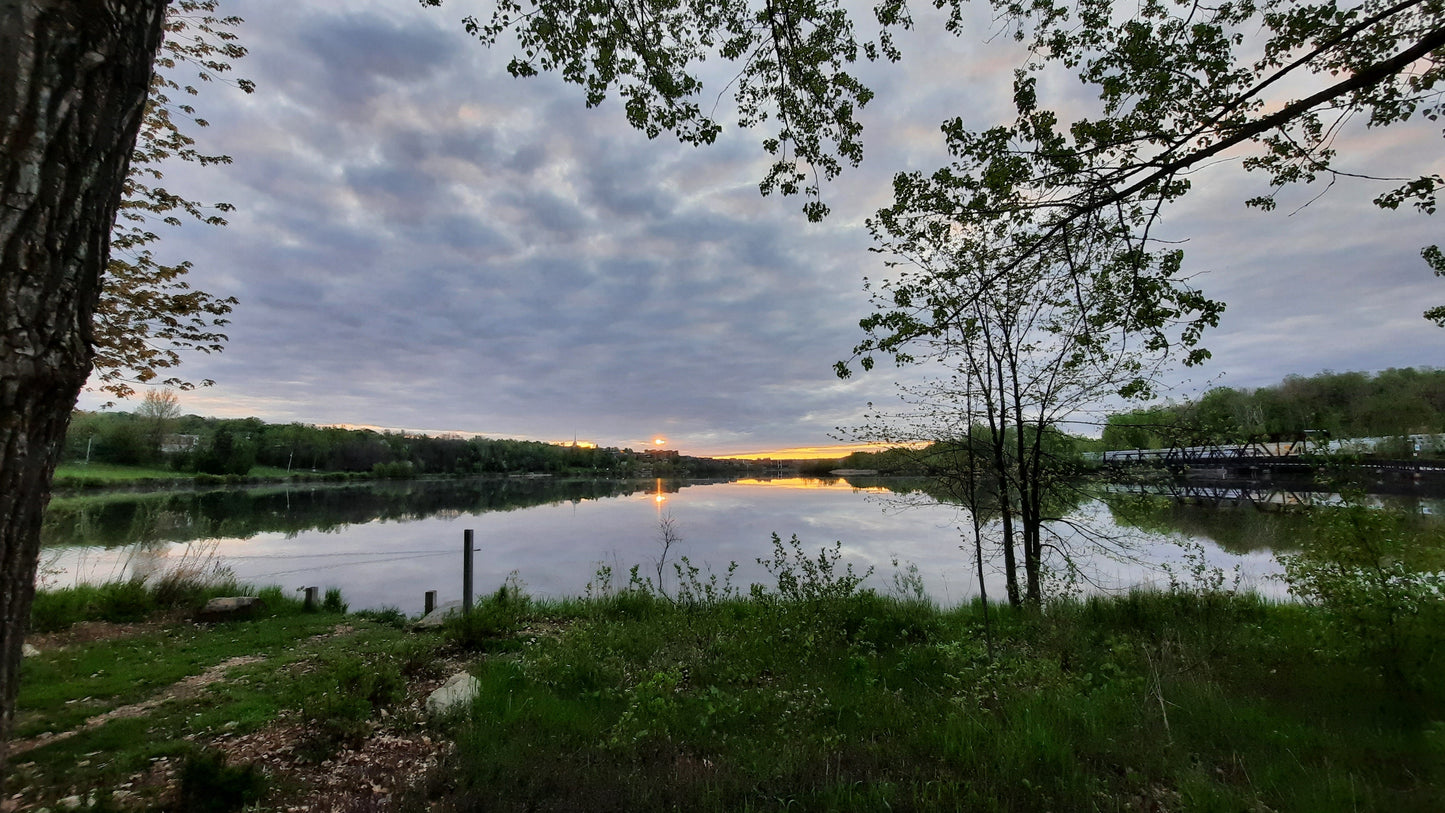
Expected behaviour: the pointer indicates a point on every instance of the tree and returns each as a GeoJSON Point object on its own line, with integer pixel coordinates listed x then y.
{"type": "Point", "coordinates": [147, 311]}
{"type": "Point", "coordinates": [158, 412]}
{"type": "Point", "coordinates": [73, 84]}
{"type": "Point", "coordinates": [1026, 344]}
{"type": "Point", "coordinates": [1179, 84]}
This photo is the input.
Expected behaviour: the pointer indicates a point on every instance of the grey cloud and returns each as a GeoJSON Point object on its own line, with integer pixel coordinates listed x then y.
{"type": "Point", "coordinates": [424, 242]}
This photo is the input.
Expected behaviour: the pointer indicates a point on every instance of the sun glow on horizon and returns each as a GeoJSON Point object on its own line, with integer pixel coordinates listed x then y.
{"type": "Point", "coordinates": [809, 452]}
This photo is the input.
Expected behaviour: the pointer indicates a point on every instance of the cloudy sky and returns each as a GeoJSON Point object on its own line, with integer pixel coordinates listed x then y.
{"type": "Point", "coordinates": [423, 242]}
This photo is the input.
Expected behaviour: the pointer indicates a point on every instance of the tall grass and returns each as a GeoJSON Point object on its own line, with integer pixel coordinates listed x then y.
{"type": "Point", "coordinates": [184, 586]}
{"type": "Point", "coordinates": [818, 695]}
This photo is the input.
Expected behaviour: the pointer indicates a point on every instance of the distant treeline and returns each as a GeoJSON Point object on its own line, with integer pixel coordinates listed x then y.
{"type": "Point", "coordinates": [191, 443]}
{"type": "Point", "coordinates": [1393, 403]}
{"type": "Point", "coordinates": [1063, 451]}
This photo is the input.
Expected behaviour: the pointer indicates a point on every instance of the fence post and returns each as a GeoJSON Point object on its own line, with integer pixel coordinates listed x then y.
{"type": "Point", "coordinates": [430, 602]}
{"type": "Point", "coordinates": [467, 572]}
{"type": "Point", "coordinates": [310, 603]}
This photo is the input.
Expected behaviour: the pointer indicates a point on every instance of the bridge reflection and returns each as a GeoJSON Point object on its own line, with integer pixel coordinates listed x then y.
{"type": "Point", "coordinates": [1264, 496]}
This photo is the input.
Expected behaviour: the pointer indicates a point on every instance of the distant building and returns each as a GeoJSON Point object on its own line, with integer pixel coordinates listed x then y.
{"type": "Point", "coordinates": [176, 444]}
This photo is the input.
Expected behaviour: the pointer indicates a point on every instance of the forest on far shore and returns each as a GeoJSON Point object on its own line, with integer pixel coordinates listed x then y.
{"type": "Point", "coordinates": [155, 434]}
{"type": "Point", "coordinates": [1392, 403]}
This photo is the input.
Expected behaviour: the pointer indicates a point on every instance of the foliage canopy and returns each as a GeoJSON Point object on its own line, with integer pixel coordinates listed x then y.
{"type": "Point", "coordinates": [1179, 85]}
{"type": "Point", "coordinates": [148, 313]}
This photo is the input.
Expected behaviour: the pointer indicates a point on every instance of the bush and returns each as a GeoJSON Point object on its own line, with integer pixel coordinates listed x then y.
{"type": "Point", "coordinates": [125, 601]}
{"type": "Point", "coordinates": [131, 600]}
{"type": "Point", "coordinates": [1381, 602]}
{"type": "Point", "coordinates": [354, 691]}
{"type": "Point", "coordinates": [398, 470]}
{"type": "Point", "coordinates": [386, 616]}
{"type": "Point", "coordinates": [492, 623]}
{"type": "Point", "coordinates": [209, 785]}
{"type": "Point", "coordinates": [802, 578]}
{"type": "Point", "coordinates": [54, 610]}
{"type": "Point", "coordinates": [332, 602]}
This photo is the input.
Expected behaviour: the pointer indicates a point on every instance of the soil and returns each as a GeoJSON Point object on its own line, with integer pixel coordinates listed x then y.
{"type": "Point", "coordinates": [88, 632]}
{"type": "Point", "coordinates": [384, 770]}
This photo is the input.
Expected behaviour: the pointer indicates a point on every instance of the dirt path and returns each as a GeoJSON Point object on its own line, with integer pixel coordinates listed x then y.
{"type": "Point", "coordinates": [184, 689]}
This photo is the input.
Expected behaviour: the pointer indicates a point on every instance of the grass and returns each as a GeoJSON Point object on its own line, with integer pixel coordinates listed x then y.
{"type": "Point", "coordinates": [864, 702]}
{"type": "Point", "coordinates": [834, 699]}
{"type": "Point", "coordinates": [111, 473]}
{"type": "Point", "coordinates": [83, 476]}
{"type": "Point", "coordinates": [295, 663]}
{"type": "Point", "coordinates": [129, 600]}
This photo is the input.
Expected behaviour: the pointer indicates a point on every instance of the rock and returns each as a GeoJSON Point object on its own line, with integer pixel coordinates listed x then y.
{"type": "Point", "coordinates": [29, 650]}
{"type": "Point", "coordinates": [231, 608]}
{"type": "Point", "coordinates": [439, 616]}
{"type": "Point", "coordinates": [458, 692]}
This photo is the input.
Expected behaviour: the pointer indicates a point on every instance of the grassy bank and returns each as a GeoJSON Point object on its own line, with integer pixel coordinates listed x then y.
{"type": "Point", "coordinates": [809, 695]}
{"type": "Point", "coordinates": [93, 476]}
{"type": "Point", "coordinates": [1143, 702]}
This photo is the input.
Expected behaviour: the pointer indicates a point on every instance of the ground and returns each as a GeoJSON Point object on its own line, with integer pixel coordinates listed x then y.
{"type": "Point", "coordinates": [385, 770]}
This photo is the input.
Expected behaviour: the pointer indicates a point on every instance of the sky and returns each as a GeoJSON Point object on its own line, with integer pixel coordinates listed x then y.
{"type": "Point", "coordinates": [423, 242]}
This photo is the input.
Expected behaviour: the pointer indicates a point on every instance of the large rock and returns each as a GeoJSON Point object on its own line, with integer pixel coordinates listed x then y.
{"type": "Point", "coordinates": [439, 616]}
{"type": "Point", "coordinates": [231, 608]}
{"type": "Point", "coordinates": [457, 693]}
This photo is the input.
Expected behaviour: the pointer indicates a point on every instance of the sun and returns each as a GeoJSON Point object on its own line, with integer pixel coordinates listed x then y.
{"type": "Point", "coordinates": [658, 441]}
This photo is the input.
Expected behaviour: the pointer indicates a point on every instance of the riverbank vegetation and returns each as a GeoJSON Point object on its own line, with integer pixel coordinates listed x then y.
{"type": "Point", "coordinates": [156, 443]}
{"type": "Point", "coordinates": [1392, 403]}
{"type": "Point", "coordinates": [805, 693]}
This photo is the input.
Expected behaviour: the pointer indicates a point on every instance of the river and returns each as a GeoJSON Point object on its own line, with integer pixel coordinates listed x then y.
{"type": "Point", "coordinates": [387, 544]}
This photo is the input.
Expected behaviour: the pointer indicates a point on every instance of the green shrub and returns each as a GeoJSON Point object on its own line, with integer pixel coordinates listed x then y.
{"type": "Point", "coordinates": [1370, 570]}
{"type": "Point", "coordinates": [396, 470]}
{"type": "Point", "coordinates": [332, 602]}
{"type": "Point", "coordinates": [54, 610]}
{"type": "Point", "coordinates": [386, 616]}
{"type": "Point", "coordinates": [124, 601]}
{"type": "Point", "coordinates": [802, 578]}
{"type": "Point", "coordinates": [279, 602]}
{"type": "Point", "coordinates": [209, 785]}
{"type": "Point", "coordinates": [492, 623]}
{"type": "Point", "coordinates": [351, 693]}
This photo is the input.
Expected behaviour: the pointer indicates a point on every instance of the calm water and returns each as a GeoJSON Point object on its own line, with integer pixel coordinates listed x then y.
{"type": "Point", "coordinates": [386, 545]}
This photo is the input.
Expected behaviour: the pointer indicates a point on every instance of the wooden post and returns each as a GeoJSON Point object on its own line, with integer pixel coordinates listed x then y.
{"type": "Point", "coordinates": [467, 572]}
{"type": "Point", "coordinates": [310, 605]}
{"type": "Point", "coordinates": [430, 602]}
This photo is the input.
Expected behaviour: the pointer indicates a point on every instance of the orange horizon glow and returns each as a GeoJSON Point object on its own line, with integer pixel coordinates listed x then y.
{"type": "Point", "coordinates": [788, 453]}
{"type": "Point", "coordinates": [812, 484]}
{"type": "Point", "coordinates": [809, 452]}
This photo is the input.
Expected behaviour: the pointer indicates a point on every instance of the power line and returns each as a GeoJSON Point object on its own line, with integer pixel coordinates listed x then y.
{"type": "Point", "coordinates": [391, 560]}
{"type": "Point", "coordinates": [429, 551]}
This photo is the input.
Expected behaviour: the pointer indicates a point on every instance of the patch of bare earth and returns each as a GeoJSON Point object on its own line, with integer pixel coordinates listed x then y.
{"type": "Point", "coordinates": [384, 771]}
{"type": "Point", "coordinates": [89, 632]}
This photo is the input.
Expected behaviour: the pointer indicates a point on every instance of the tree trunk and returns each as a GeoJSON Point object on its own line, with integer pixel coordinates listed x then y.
{"type": "Point", "coordinates": [73, 81]}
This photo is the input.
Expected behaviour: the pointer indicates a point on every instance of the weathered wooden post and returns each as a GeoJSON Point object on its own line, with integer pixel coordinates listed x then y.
{"type": "Point", "coordinates": [467, 572]}
{"type": "Point", "coordinates": [310, 603]}
{"type": "Point", "coordinates": [430, 603]}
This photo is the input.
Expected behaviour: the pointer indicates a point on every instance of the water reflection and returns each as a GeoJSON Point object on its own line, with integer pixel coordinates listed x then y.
{"type": "Point", "coordinates": [122, 519]}
{"type": "Point", "coordinates": [388, 544]}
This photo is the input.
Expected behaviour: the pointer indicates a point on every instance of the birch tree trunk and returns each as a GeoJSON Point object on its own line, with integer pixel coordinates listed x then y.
{"type": "Point", "coordinates": [73, 82]}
